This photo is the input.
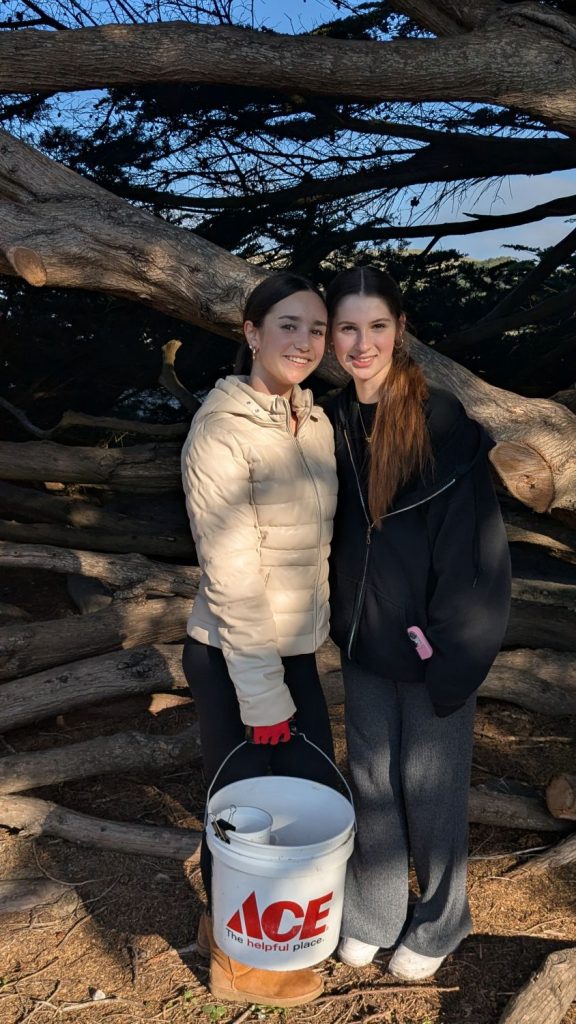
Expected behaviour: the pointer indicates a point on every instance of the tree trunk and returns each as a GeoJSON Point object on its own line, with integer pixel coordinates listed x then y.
{"type": "Point", "coordinates": [543, 614]}
{"type": "Point", "coordinates": [29, 515]}
{"type": "Point", "coordinates": [488, 67]}
{"type": "Point", "coordinates": [129, 543]}
{"type": "Point", "coordinates": [41, 645]}
{"type": "Point", "coordinates": [146, 468]}
{"type": "Point", "coordinates": [119, 572]}
{"type": "Point", "coordinates": [40, 817]}
{"type": "Point", "coordinates": [561, 796]}
{"type": "Point", "coordinates": [548, 994]}
{"type": "Point", "coordinates": [503, 810]}
{"type": "Point", "coordinates": [105, 755]}
{"type": "Point", "coordinates": [556, 857]}
{"type": "Point", "coordinates": [187, 277]}
{"type": "Point", "coordinates": [542, 532]}
{"type": "Point", "coordinates": [80, 684]}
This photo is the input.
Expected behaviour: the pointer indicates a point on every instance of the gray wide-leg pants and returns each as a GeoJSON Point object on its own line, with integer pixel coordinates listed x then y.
{"type": "Point", "coordinates": [410, 773]}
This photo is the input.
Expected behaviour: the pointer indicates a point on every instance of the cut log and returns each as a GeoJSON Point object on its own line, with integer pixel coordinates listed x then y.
{"type": "Point", "coordinates": [162, 545]}
{"type": "Point", "coordinates": [21, 894]}
{"type": "Point", "coordinates": [542, 531]}
{"type": "Point", "coordinates": [146, 469]}
{"type": "Point", "coordinates": [104, 424]}
{"type": "Point", "coordinates": [118, 572]}
{"type": "Point", "coordinates": [556, 857]}
{"type": "Point", "coordinates": [30, 515]}
{"type": "Point", "coordinates": [523, 677]}
{"type": "Point", "coordinates": [41, 645]}
{"type": "Point", "coordinates": [547, 996]}
{"type": "Point", "coordinates": [543, 614]}
{"type": "Point", "coordinates": [504, 810]}
{"type": "Point", "coordinates": [152, 669]}
{"type": "Point", "coordinates": [123, 752]}
{"type": "Point", "coordinates": [561, 796]}
{"type": "Point", "coordinates": [185, 276]}
{"type": "Point", "coordinates": [32, 817]}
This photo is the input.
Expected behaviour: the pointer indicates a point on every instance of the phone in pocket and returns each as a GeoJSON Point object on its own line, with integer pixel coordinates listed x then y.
{"type": "Point", "coordinates": [423, 648]}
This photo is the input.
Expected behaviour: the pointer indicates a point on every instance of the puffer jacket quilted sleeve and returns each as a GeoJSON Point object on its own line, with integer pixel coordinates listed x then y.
{"type": "Point", "coordinates": [217, 483]}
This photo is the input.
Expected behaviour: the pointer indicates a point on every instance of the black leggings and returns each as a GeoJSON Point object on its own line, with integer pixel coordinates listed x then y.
{"type": "Point", "coordinates": [221, 728]}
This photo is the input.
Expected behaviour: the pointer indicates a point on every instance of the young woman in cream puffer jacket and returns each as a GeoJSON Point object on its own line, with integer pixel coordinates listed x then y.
{"type": "Point", "coordinates": [259, 475]}
{"type": "Point", "coordinates": [261, 502]}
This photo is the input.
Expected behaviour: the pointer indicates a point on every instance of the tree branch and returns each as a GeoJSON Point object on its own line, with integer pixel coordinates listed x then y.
{"type": "Point", "coordinates": [551, 259]}
{"type": "Point", "coordinates": [490, 326]}
{"type": "Point", "coordinates": [516, 66]}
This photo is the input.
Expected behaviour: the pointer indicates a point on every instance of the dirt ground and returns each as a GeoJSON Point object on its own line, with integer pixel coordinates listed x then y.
{"type": "Point", "coordinates": [118, 946]}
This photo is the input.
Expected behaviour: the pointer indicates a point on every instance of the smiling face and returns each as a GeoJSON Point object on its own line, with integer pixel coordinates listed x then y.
{"type": "Point", "coordinates": [363, 332]}
{"type": "Point", "coordinates": [288, 344]}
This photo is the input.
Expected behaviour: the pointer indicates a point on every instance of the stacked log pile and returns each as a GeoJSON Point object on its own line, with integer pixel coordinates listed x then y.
{"type": "Point", "coordinates": [112, 520]}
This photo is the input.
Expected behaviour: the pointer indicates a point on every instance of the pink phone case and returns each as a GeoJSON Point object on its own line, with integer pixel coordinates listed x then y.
{"type": "Point", "coordinates": [423, 648]}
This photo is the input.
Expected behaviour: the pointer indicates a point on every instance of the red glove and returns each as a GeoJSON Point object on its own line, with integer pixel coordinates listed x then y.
{"type": "Point", "coordinates": [271, 734]}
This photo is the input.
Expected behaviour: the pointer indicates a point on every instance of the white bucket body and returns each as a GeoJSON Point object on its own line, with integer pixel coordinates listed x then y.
{"type": "Point", "coordinates": [278, 905]}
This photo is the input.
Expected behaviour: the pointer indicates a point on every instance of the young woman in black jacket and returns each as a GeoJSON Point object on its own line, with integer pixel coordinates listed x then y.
{"type": "Point", "coordinates": [420, 592]}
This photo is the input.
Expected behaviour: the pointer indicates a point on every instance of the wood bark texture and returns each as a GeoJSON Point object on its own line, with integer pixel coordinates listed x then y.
{"type": "Point", "coordinates": [506, 810]}
{"type": "Point", "coordinates": [80, 684]}
{"type": "Point", "coordinates": [33, 817]}
{"type": "Point", "coordinates": [120, 572]}
{"type": "Point", "coordinates": [34, 646]}
{"type": "Point", "coordinates": [105, 755]}
{"type": "Point", "coordinates": [548, 994]}
{"type": "Point", "coordinates": [557, 856]}
{"type": "Point", "coordinates": [516, 63]}
{"type": "Point", "coordinates": [72, 226]}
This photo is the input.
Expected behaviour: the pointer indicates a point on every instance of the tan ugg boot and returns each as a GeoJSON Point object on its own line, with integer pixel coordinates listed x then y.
{"type": "Point", "coordinates": [204, 938]}
{"type": "Point", "coordinates": [239, 983]}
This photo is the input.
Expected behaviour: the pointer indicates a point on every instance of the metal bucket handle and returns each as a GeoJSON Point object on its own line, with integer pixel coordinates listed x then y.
{"type": "Point", "coordinates": [310, 744]}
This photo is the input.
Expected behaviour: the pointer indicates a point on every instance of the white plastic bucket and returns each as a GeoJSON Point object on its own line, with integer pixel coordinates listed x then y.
{"type": "Point", "coordinates": [278, 906]}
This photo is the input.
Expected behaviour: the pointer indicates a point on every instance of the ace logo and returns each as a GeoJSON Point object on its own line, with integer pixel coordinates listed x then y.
{"type": "Point", "coordinates": [281, 921]}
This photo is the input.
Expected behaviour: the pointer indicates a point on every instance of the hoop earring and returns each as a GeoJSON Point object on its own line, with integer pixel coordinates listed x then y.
{"type": "Point", "coordinates": [400, 342]}
{"type": "Point", "coordinates": [253, 350]}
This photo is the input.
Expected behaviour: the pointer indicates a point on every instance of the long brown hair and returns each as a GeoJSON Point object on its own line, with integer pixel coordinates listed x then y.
{"type": "Point", "coordinates": [400, 446]}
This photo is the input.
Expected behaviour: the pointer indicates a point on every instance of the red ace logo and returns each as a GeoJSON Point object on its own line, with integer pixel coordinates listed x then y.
{"type": "Point", "coordinates": [281, 921]}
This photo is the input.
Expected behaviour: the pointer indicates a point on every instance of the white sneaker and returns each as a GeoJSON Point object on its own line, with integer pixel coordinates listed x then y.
{"type": "Point", "coordinates": [411, 966]}
{"type": "Point", "coordinates": [356, 953]}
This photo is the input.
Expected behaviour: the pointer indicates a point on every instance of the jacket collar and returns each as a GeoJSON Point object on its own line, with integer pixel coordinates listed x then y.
{"type": "Point", "coordinates": [267, 409]}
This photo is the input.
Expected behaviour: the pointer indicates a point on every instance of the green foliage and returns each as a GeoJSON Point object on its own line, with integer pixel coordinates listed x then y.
{"type": "Point", "coordinates": [214, 1012]}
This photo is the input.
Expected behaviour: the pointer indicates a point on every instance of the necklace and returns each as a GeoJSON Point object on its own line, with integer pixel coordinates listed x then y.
{"type": "Point", "coordinates": [367, 436]}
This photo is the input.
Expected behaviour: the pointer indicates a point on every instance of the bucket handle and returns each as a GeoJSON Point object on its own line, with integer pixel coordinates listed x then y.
{"type": "Point", "coordinates": [310, 744]}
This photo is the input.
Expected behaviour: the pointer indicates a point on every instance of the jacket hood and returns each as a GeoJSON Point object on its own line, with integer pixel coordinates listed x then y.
{"type": "Point", "coordinates": [234, 396]}
{"type": "Point", "coordinates": [457, 443]}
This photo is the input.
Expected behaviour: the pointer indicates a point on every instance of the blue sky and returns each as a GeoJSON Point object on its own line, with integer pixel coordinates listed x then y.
{"type": "Point", "coordinates": [513, 193]}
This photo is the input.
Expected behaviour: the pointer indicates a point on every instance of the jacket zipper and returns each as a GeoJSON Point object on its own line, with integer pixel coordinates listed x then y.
{"type": "Point", "coordinates": [360, 595]}
{"type": "Point", "coordinates": [319, 520]}
{"type": "Point", "coordinates": [360, 598]}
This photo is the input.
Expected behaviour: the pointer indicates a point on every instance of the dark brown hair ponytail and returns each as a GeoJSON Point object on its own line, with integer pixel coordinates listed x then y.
{"type": "Point", "coordinates": [400, 445]}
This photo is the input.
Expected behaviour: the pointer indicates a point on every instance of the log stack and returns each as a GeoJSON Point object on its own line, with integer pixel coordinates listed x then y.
{"type": "Point", "coordinates": [112, 521]}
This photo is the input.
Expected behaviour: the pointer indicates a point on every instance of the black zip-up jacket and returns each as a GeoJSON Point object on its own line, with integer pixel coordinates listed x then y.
{"type": "Point", "coordinates": [438, 560]}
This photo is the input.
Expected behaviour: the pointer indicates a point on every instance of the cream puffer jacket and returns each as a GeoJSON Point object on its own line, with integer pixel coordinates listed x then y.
{"type": "Point", "coordinates": [261, 502]}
